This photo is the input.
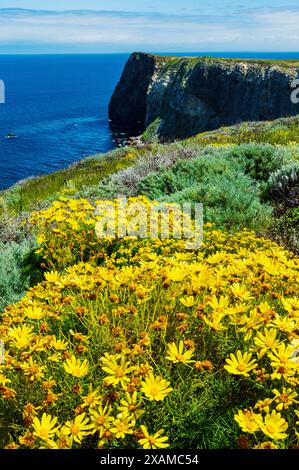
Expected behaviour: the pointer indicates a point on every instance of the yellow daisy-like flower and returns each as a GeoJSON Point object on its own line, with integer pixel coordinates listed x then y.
{"type": "Point", "coordinates": [131, 405]}
{"type": "Point", "coordinates": [75, 367]}
{"type": "Point", "coordinates": [104, 437]}
{"type": "Point", "coordinates": [291, 306]}
{"type": "Point", "coordinates": [78, 428]}
{"type": "Point", "coordinates": [100, 418]}
{"type": "Point", "coordinates": [285, 399]}
{"type": "Point", "coordinates": [56, 357]}
{"type": "Point", "coordinates": [122, 426]}
{"type": "Point", "coordinates": [282, 361]}
{"type": "Point", "coordinates": [188, 301]}
{"type": "Point", "coordinates": [266, 340]}
{"type": "Point", "coordinates": [41, 239]}
{"type": "Point", "coordinates": [248, 421]}
{"type": "Point", "coordinates": [241, 364]}
{"type": "Point", "coordinates": [177, 354]}
{"type": "Point", "coordinates": [176, 274]}
{"type": "Point", "coordinates": [34, 312]}
{"type": "Point", "coordinates": [219, 305]}
{"type": "Point", "coordinates": [92, 399]}
{"type": "Point", "coordinates": [266, 445]}
{"type": "Point", "coordinates": [45, 428]}
{"type": "Point", "coordinates": [33, 370]}
{"type": "Point", "coordinates": [264, 405]}
{"type": "Point", "coordinates": [4, 380]}
{"type": "Point", "coordinates": [284, 324]}
{"type": "Point", "coordinates": [274, 426]}
{"type": "Point", "coordinates": [241, 292]}
{"type": "Point", "coordinates": [52, 277]}
{"type": "Point", "coordinates": [251, 323]}
{"type": "Point", "coordinates": [21, 336]}
{"type": "Point", "coordinates": [214, 320]}
{"type": "Point", "coordinates": [155, 388]}
{"type": "Point", "coordinates": [155, 441]}
{"type": "Point", "coordinates": [118, 371]}
{"type": "Point", "coordinates": [58, 344]}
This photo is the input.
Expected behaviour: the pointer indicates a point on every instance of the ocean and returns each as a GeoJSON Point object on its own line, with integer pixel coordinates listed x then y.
{"type": "Point", "coordinates": [57, 107]}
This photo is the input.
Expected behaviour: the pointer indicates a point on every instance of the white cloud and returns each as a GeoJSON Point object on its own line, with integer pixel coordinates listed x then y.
{"type": "Point", "coordinates": [252, 29]}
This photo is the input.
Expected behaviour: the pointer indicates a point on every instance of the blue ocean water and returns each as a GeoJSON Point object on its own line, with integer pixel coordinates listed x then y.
{"type": "Point", "coordinates": [57, 107]}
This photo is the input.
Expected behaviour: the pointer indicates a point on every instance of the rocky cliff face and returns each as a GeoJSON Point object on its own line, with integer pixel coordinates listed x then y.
{"type": "Point", "coordinates": [192, 95]}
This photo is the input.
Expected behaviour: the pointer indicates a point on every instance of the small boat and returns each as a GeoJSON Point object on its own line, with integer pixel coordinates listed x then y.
{"type": "Point", "coordinates": [11, 136]}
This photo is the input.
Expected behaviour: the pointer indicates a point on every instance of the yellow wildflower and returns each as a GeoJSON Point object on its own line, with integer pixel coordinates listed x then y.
{"type": "Point", "coordinates": [248, 421]}
{"type": "Point", "coordinates": [274, 426]}
{"type": "Point", "coordinates": [4, 380]}
{"type": "Point", "coordinates": [52, 277]}
{"type": "Point", "coordinates": [118, 372]}
{"type": "Point", "coordinates": [155, 388]}
{"type": "Point", "coordinates": [282, 361]}
{"type": "Point", "coordinates": [188, 301]}
{"type": "Point", "coordinates": [266, 445]}
{"type": "Point", "coordinates": [58, 344]}
{"type": "Point", "coordinates": [34, 312]}
{"type": "Point", "coordinates": [177, 354]}
{"type": "Point", "coordinates": [100, 418]}
{"type": "Point", "coordinates": [122, 426]}
{"type": "Point", "coordinates": [75, 367]}
{"type": "Point", "coordinates": [266, 340]}
{"type": "Point", "coordinates": [154, 441]}
{"type": "Point", "coordinates": [21, 336]}
{"type": "Point", "coordinates": [92, 399]}
{"type": "Point", "coordinates": [131, 405]}
{"type": "Point", "coordinates": [285, 399]}
{"type": "Point", "coordinates": [219, 305]}
{"type": "Point", "coordinates": [45, 428]}
{"type": "Point", "coordinates": [241, 364]}
{"type": "Point", "coordinates": [78, 428]}
{"type": "Point", "coordinates": [241, 292]}
{"type": "Point", "coordinates": [33, 370]}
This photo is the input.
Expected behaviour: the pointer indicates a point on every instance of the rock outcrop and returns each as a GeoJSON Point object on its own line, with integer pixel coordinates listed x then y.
{"type": "Point", "coordinates": [190, 95]}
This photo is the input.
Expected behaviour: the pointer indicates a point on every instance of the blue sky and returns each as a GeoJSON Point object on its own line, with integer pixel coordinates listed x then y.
{"type": "Point", "coordinates": [149, 25]}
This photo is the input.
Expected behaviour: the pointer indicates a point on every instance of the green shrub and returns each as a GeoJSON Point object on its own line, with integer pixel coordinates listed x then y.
{"type": "Point", "coordinates": [259, 161]}
{"type": "Point", "coordinates": [19, 270]}
{"type": "Point", "coordinates": [151, 132]}
{"type": "Point", "coordinates": [230, 201]}
{"type": "Point", "coordinates": [285, 229]}
{"type": "Point", "coordinates": [230, 198]}
{"type": "Point", "coordinates": [183, 175]}
{"type": "Point", "coordinates": [151, 160]}
{"type": "Point", "coordinates": [283, 186]}
{"type": "Point", "coordinates": [14, 228]}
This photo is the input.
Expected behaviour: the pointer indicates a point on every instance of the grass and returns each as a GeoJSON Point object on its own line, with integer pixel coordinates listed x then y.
{"type": "Point", "coordinates": [281, 131]}
{"type": "Point", "coordinates": [290, 63]}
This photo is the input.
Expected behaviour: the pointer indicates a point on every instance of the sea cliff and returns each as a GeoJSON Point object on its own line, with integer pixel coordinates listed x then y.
{"type": "Point", "coordinates": [184, 95]}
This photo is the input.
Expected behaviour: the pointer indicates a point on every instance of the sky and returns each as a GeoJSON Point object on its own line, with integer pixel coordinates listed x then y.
{"type": "Point", "coordinates": [148, 25]}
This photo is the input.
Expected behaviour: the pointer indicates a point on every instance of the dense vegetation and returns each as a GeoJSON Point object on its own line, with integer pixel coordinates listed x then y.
{"type": "Point", "coordinates": [210, 356]}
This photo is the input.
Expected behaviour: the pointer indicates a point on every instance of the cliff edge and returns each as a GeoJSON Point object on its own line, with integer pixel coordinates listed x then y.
{"type": "Point", "coordinates": [187, 95]}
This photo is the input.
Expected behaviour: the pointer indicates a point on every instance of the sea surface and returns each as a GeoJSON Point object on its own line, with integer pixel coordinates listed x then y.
{"type": "Point", "coordinates": [57, 107]}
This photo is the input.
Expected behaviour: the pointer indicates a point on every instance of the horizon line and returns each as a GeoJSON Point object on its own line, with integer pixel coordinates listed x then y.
{"type": "Point", "coordinates": [153, 52]}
